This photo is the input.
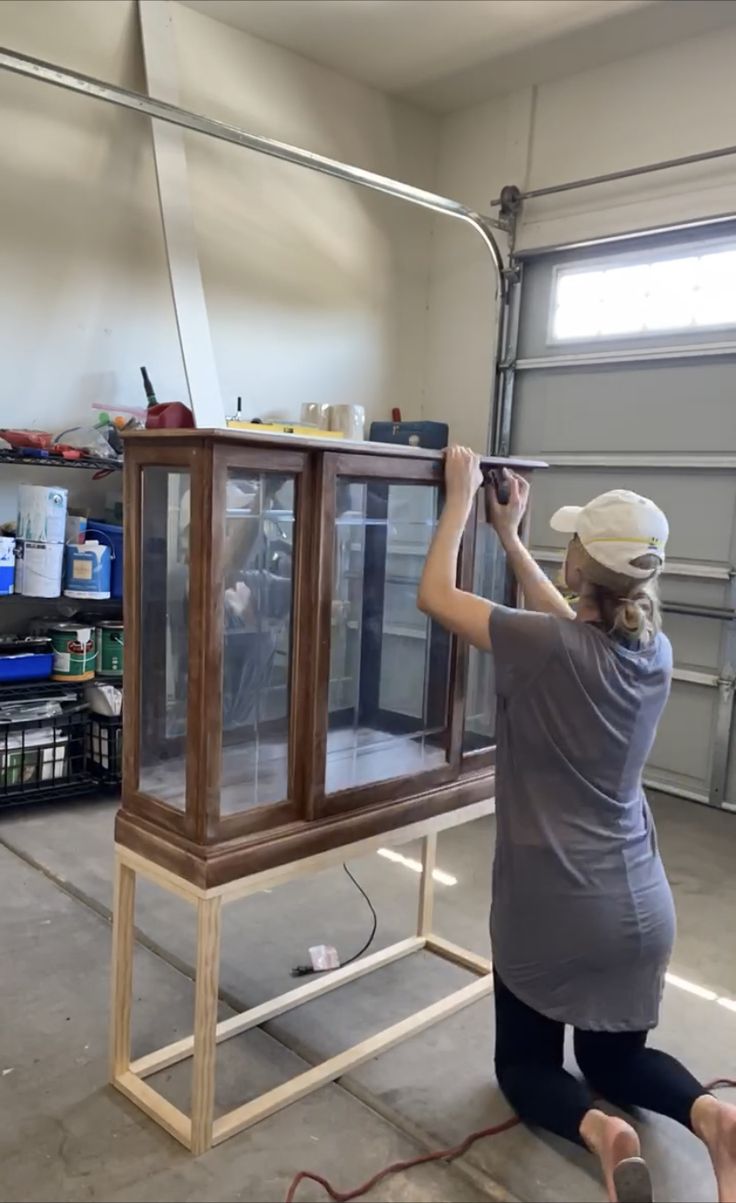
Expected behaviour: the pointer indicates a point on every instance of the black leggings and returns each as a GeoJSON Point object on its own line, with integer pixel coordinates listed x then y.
{"type": "Point", "coordinates": [616, 1066]}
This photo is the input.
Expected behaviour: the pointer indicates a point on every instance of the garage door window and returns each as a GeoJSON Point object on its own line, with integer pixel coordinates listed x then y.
{"type": "Point", "coordinates": [695, 292]}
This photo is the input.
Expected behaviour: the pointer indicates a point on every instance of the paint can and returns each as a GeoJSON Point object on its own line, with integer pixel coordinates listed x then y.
{"type": "Point", "coordinates": [109, 532]}
{"type": "Point", "coordinates": [38, 568]}
{"type": "Point", "coordinates": [110, 645]}
{"type": "Point", "coordinates": [87, 572]}
{"type": "Point", "coordinates": [74, 652]}
{"type": "Point", "coordinates": [42, 513]}
{"type": "Point", "coordinates": [7, 565]}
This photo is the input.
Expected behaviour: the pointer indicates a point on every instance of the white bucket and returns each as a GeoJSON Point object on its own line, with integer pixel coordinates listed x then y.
{"type": "Point", "coordinates": [349, 419]}
{"type": "Point", "coordinates": [42, 515]}
{"type": "Point", "coordinates": [38, 568]}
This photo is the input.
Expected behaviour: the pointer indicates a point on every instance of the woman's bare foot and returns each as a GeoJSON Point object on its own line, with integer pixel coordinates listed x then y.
{"type": "Point", "coordinates": [715, 1123]}
{"type": "Point", "coordinates": [613, 1141]}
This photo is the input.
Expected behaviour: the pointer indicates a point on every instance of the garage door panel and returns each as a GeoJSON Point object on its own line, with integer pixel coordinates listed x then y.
{"type": "Point", "coordinates": [677, 408]}
{"type": "Point", "coordinates": [696, 642]}
{"type": "Point", "coordinates": [683, 747]}
{"type": "Point", "coordinates": [539, 275]}
{"type": "Point", "coordinates": [647, 395]}
{"type": "Point", "coordinates": [700, 506]}
{"type": "Point", "coordinates": [694, 591]}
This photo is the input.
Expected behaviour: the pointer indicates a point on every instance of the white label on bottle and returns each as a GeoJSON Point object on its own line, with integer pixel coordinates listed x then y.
{"type": "Point", "coordinates": [62, 662]}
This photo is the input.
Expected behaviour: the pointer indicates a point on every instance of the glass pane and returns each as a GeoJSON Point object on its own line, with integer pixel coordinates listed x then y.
{"type": "Point", "coordinates": [389, 665]}
{"type": "Point", "coordinates": [259, 533]}
{"type": "Point", "coordinates": [670, 301]}
{"type": "Point", "coordinates": [715, 293]}
{"type": "Point", "coordinates": [163, 666]}
{"type": "Point", "coordinates": [489, 580]}
{"type": "Point", "coordinates": [638, 298]}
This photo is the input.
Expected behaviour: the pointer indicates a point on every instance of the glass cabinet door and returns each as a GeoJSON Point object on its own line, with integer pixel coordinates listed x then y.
{"type": "Point", "coordinates": [389, 664]}
{"type": "Point", "coordinates": [257, 602]}
{"type": "Point", "coordinates": [489, 580]}
{"type": "Point", "coordinates": [164, 644]}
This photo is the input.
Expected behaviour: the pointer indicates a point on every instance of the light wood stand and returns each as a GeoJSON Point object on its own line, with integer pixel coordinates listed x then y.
{"type": "Point", "coordinates": [200, 1130]}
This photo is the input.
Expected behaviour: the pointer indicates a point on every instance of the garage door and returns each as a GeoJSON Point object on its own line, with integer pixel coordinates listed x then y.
{"type": "Point", "coordinates": [623, 374]}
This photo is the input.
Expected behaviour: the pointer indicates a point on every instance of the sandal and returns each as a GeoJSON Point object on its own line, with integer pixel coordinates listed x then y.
{"type": "Point", "coordinates": [632, 1181]}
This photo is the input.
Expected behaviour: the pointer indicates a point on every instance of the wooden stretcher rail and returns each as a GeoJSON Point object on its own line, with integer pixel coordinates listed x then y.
{"type": "Point", "coordinates": [203, 1129]}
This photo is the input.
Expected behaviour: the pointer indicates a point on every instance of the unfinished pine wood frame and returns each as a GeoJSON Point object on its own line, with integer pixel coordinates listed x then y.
{"type": "Point", "coordinates": [201, 1128]}
{"type": "Point", "coordinates": [190, 830]}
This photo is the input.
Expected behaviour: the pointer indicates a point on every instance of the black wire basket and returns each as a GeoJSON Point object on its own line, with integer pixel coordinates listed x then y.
{"type": "Point", "coordinates": [105, 749]}
{"type": "Point", "coordinates": [42, 743]}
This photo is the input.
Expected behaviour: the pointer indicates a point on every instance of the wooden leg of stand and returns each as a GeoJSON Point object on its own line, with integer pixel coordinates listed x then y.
{"type": "Point", "coordinates": [426, 885]}
{"type": "Point", "coordinates": [209, 915]}
{"type": "Point", "coordinates": [123, 942]}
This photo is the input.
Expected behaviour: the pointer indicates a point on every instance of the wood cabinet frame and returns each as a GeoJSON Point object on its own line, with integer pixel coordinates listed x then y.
{"type": "Point", "coordinates": [197, 842]}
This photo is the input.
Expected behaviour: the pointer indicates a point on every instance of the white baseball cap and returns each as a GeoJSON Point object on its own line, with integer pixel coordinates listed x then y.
{"type": "Point", "coordinates": [616, 528]}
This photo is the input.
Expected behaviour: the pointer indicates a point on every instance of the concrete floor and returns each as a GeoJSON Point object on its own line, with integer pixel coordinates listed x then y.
{"type": "Point", "coordinates": [67, 1136]}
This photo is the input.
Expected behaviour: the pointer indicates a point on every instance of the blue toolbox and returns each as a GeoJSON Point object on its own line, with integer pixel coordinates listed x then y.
{"type": "Point", "coordinates": [433, 435]}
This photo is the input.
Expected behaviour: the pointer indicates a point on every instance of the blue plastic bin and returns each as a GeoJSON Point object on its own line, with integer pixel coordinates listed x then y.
{"type": "Point", "coordinates": [28, 666]}
{"type": "Point", "coordinates": [108, 533]}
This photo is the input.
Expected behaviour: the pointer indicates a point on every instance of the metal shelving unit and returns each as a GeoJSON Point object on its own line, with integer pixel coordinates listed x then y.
{"type": "Point", "coordinates": [89, 463]}
{"type": "Point", "coordinates": [62, 766]}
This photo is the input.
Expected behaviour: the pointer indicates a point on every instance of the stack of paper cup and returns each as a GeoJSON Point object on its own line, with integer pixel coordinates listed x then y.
{"type": "Point", "coordinates": [314, 413]}
{"type": "Point", "coordinates": [40, 546]}
{"type": "Point", "coordinates": [349, 419]}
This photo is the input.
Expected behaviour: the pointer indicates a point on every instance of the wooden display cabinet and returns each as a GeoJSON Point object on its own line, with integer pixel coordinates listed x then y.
{"type": "Point", "coordinates": [284, 695]}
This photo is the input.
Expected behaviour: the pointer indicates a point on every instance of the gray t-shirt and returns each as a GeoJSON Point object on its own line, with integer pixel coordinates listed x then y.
{"type": "Point", "coordinates": [582, 922]}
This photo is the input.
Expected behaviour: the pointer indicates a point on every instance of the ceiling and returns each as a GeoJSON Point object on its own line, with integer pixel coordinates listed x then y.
{"type": "Point", "coordinates": [444, 54]}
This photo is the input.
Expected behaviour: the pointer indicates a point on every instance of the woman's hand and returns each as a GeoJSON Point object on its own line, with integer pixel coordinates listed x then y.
{"type": "Point", "coordinates": [463, 477]}
{"type": "Point", "coordinates": [238, 599]}
{"type": "Point", "coordinates": [507, 518]}
{"type": "Point", "coordinates": [438, 596]}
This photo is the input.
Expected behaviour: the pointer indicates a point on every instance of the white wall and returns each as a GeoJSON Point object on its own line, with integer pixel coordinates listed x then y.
{"type": "Point", "coordinates": [476, 146]}
{"type": "Point", "coordinates": [675, 102]}
{"type": "Point", "coordinates": [316, 290]}
{"type": "Point", "coordinates": [85, 296]}
{"type": "Point", "coordinates": [672, 102]}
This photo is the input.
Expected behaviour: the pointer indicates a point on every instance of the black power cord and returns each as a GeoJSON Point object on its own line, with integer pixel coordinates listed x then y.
{"type": "Point", "coordinates": [306, 970]}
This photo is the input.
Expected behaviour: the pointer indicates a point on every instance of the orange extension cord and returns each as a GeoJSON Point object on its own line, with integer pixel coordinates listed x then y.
{"type": "Point", "coordinates": [438, 1155]}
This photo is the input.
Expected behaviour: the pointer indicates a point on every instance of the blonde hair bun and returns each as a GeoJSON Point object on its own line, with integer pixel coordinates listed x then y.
{"type": "Point", "coordinates": [629, 606]}
{"type": "Point", "coordinates": [634, 616]}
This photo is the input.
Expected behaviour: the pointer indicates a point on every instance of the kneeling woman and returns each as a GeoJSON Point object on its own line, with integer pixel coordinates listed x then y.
{"type": "Point", "coordinates": [582, 923]}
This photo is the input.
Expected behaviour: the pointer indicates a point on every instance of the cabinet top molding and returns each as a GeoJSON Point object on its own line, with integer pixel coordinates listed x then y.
{"type": "Point", "coordinates": [283, 442]}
